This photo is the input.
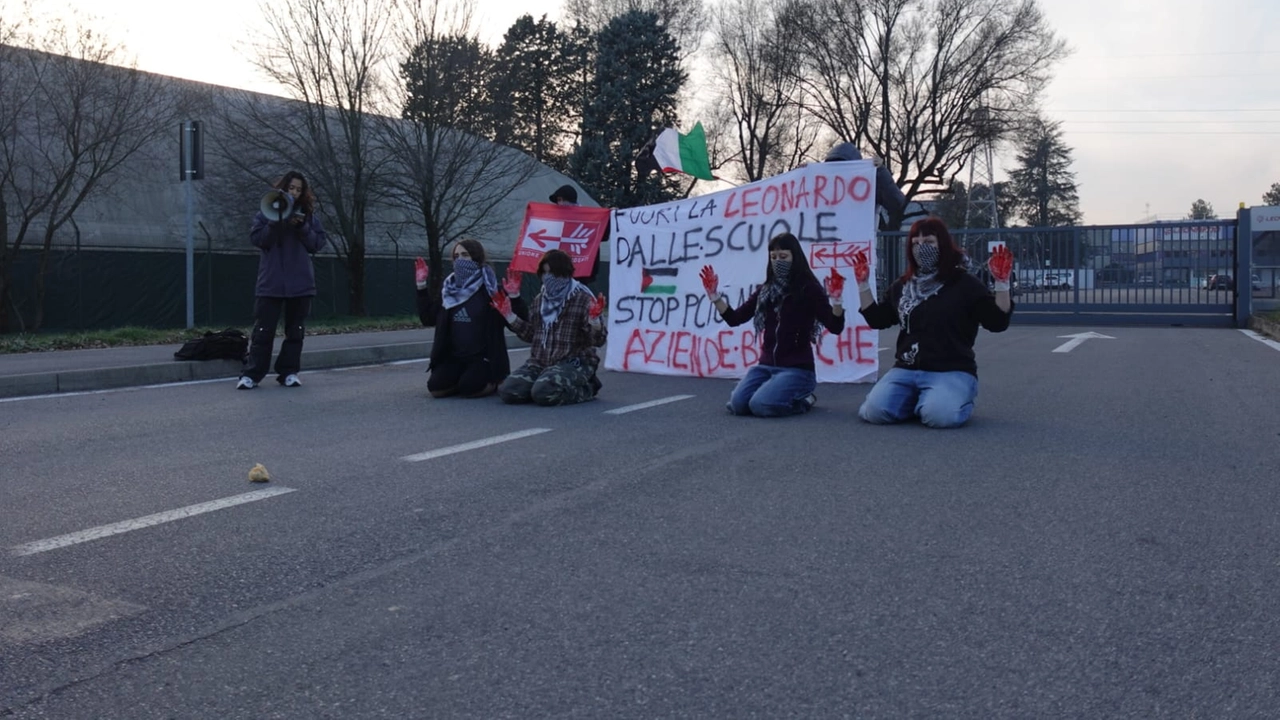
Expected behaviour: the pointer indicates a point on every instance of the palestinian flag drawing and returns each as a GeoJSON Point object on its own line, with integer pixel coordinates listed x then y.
{"type": "Point", "coordinates": [650, 285]}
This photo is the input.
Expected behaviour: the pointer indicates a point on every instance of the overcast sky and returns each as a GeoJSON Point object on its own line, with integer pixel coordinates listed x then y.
{"type": "Point", "coordinates": [1162, 101]}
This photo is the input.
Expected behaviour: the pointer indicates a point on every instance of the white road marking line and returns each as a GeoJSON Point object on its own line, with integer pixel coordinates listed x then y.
{"type": "Point", "coordinates": [883, 349]}
{"type": "Point", "coordinates": [390, 363]}
{"type": "Point", "coordinates": [419, 457]}
{"type": "Point", "coordinates": [131, 388]}
{"type": "Point", "coordinates": [645, 405]}
{"type": "Point", "coordinates": [1262, 339]}
{"type": "Point", "coordinates": [125, 526]}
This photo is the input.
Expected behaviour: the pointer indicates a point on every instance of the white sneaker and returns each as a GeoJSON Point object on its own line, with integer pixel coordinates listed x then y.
{"type": "Point", "coordinates": [291, 380]}
{"type": "Point", "coordinates": [245, 384]}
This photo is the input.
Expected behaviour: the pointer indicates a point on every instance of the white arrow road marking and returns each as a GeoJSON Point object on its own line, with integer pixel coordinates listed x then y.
{"type": "Point", "coordinates": [645, 405]}
{"type": "Point", "coordinates": [125, 526]}
{"type": "Point", "coordinates": [473, 445]}
{"type": "Point", "coordinates": [1078, 338]}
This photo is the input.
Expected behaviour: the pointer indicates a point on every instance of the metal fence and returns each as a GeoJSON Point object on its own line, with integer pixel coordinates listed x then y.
{"type": "Point", "coordinates": [1161, 273]}
{"type": "Point", "coordinates": [1185, 273]}
{"type": "Point", "coordinates": [102, 287]}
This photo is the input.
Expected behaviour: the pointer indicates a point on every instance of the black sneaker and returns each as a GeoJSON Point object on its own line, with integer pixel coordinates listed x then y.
{"type": "Point", "coordinates": [809, 401]}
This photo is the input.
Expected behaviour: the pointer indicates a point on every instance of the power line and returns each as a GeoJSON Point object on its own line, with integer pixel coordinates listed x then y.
{"type": "Point", "coordinates": [1192, 54]}
{"type": "Point", "coordinates": [1168, 132]}
{"type": "Point", "coordinates": [1171, 122]}
{"type": "Point", "coordinates": [1150, 110]}
{"type": "Point", "coordinates": [1168, 77]}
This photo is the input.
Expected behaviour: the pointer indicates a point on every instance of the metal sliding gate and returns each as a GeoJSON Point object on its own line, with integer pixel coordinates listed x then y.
{"type": "Point", "coordinates": [1178, 273]}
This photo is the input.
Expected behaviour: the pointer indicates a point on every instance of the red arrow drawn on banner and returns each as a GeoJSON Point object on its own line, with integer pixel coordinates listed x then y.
{"type": "Point", "coordinates": [847, 252]}
{"type": "Point", "coordinates": [833, 252]}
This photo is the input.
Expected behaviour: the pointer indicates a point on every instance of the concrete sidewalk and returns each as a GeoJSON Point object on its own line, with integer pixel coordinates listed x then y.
{"type": "Point", "coordinates": [47, 373]}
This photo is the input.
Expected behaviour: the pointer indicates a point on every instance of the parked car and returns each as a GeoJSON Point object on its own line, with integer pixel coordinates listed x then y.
{"type": "Point", "coordinates": [1257, 282]}
{"type": "Point", "coordinates": [1220, 282]}
{"type": "Point", "coordinates": [1057, 281]}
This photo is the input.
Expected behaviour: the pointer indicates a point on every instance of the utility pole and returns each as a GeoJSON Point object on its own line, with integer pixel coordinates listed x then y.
{"type": "Point", "coordinates": [191, 168]}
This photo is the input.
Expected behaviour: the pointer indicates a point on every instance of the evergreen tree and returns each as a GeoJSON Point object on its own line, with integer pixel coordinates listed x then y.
{"type": "Point", "coordinates": [1202, 210]}
{"type": "Point", "coordinates": [633, 95]}
{"type": "Point", "coordinates": [534, 96]}
{"type": "Point", "coordinates": [1272, 196]}
{"type": "Point", "coordinates": [447, 79]}
{"type": "Point", "coordinates": [1042, 186]}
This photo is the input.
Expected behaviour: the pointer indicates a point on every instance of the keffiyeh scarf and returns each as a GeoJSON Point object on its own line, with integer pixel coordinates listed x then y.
{"type": "Point", "coordinates": [466, 278]}
{"type": "Point", "coordinates": [555, 293]}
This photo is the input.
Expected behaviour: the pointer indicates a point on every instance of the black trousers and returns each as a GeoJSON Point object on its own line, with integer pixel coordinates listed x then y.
{"type": "Point", "coordinates": [465, 377]}
{"type": "Point", "coordinates": [266, 314]}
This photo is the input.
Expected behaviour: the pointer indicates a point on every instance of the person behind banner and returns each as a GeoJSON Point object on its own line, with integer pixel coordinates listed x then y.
{"type": "Point", "coordinates": [469, 349]}
{"type": "Point", "coordinates": [940, 306]}
{"type": "Point", "coordinates": [789, 312]}
{"type": "Point", "coordinates": [567, 195]}
{"type": "Point", "coordinates": [888, 196]}
{"type": "Point", "coordinates": [563, 331]}
{"type": "Point", "coordinates": [286, 282]}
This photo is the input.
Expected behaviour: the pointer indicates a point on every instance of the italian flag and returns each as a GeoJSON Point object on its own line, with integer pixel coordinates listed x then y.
{"type": "Point", "coordinates": [674, 151]}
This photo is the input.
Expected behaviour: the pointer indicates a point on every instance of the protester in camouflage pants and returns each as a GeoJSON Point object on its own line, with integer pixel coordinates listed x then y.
{"type": "Point", "coordinates": [565, 383]}
{"type": "Point", "coordinates": [563, 331]}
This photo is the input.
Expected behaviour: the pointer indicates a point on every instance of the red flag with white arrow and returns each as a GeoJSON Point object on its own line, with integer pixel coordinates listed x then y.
{"type": "Point", "coordinates": [574, 229]}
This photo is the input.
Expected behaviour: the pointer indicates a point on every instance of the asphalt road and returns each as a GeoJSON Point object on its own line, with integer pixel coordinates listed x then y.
{"type": "Point", "coordinates": [1100, 541]}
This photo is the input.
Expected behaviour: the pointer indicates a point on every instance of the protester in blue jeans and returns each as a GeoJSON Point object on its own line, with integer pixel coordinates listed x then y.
{"type": "Point", "coordinates": [789, 311]}
{"type": "Point", "coordinates": [940, 306]}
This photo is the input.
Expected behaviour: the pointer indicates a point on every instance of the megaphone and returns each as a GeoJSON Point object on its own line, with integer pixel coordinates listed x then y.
{"type": "Point", "coordinates": [277, 205]}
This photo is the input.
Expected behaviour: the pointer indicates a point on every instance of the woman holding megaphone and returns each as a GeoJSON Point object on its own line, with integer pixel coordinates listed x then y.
{"type": "Point", "coordinates": [287, 233]}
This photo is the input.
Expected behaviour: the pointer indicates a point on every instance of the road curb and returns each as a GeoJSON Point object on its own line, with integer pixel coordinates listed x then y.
{"type": "Point", "coordinates": [53, 383]}
{"type": "Point", "coordinates": [177, 371]}
{"type": "Point", "coordinates": [1262, 325]}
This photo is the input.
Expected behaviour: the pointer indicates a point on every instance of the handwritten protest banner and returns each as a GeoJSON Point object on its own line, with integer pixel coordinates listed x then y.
{"type": "Point", "coordinates": [573, 229]}
{"type": "Point", "coordinates": [660, 319]}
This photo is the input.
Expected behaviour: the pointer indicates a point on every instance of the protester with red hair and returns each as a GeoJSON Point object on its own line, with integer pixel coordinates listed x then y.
{"type": "Point", "coordinates": [940, 306]}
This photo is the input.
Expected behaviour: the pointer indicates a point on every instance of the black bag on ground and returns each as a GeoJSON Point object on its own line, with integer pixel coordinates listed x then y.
{"type": "Point", "coordinates": [229, 344]}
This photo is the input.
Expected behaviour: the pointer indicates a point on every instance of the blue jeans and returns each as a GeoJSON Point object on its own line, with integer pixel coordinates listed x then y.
{"type": "Point", "coordinates": [939, 399]}
{"type": "Point", "coordinates": [768, 391]}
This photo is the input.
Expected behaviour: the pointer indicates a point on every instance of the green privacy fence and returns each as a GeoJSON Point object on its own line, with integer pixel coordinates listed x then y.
{"type": "Point", "coordinates": [101, 288]}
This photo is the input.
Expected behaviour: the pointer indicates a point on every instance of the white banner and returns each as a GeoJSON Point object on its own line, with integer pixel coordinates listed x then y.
{"type": "Point", "coordinates": [660, 319]}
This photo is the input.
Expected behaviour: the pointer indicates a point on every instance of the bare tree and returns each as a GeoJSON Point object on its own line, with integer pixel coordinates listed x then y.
{"type": "Point", "coordinates": [758, 73]}
{"type": "Point", "coordinates": [74, 116]}
{"type": "Point", "coordinates": [332, 57]}
{"type": "Point", "coordinates": [445, 175]}
{"type": "Point", "coordinates": [923, 83]}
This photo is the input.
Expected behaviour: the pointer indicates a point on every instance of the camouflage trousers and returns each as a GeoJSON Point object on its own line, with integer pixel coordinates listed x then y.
{"type": "Point", "coordinates": [565, 383]}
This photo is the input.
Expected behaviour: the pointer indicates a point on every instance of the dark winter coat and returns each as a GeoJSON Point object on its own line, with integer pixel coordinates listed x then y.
{"type": "Point", "coordinates": [285, 269]}
{"type": "Point", "coordinates": [943, 328]}
{"type": "Point", "coordinates": [492, 327]}
{"type": "Point", "coordinates": [788, 333]}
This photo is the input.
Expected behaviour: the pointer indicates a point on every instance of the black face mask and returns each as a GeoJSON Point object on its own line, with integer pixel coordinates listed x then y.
{"type": "Point", "coordinates": [926, 257]}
